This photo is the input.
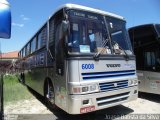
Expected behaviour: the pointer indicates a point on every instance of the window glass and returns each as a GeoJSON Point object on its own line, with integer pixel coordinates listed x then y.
{"type": "Point", "coordinates": [23, 53]}
{"type": "Point", "coordinates": [119, 36]}
{"type": "Point", "coordinates": [28, 49]}
{"type": "Point", "coordinates": [42, 38]}
{"type": "Point", "coordinates": [51, 31]}
{"type": "Point", "coordinates": [90, 34]}
{"type": "Point", "coordinates": [152, 60]}
{"type": "Point", "coordinates": [86, 36]}
{"type": "Point", "coordinates": [96, 36]}
{"type": "Point", "coordinates": [75, 37]}
{"type": "Point", "coordinates": [33, 45]}
{"type": "Point", "coordinates": [39, 41]}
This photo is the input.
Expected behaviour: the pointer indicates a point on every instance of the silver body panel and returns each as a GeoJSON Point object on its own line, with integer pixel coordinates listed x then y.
{"type": "Point", "coordinates": [75, 101]}
{"type": "Point", "coordinates": [149, 81]}
{"type": "Point", "coordinates": [73, 77]}
{"type": "Point", "coordinates": [76, 78]}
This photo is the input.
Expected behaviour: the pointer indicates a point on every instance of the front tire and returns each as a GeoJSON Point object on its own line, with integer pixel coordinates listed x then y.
{"type": "Point", "coordinates": [49, 94]}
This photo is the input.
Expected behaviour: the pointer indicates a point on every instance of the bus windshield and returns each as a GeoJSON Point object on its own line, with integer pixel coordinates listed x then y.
{"type": "Point", "coordinates": [119, 35]}
{"type": "Point", "coordinates": [88, 34]}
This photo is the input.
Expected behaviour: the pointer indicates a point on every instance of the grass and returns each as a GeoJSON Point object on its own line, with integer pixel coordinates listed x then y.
{"type": "Point", "coordinates": [14, 91]}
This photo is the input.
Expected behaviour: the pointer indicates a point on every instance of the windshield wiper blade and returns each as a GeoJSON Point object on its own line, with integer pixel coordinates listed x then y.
{"type": "Point", "coordinates": [126, 56]}
{"type": "Point", "coordinates": [96, 55]}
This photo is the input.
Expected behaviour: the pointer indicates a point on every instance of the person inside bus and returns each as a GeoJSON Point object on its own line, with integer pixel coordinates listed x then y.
{"type": "Point", "coordinates": [97, 42]}
{"type": "Point", "coordinates": [92, 42]}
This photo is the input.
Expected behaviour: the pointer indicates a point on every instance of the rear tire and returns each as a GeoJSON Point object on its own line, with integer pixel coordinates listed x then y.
{"type": "Point", "coordinates": [22, 78]}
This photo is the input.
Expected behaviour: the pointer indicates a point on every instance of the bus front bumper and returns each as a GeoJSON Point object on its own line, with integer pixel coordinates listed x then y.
{"type": "Point", "coordinates": [79, 104]}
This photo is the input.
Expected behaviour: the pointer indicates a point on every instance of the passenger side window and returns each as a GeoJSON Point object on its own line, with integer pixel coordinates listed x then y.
{"type": "Point", "coordinates": [39, 41]}
{"type": "Point", "coordinates": [152, 61]}
{"type": "Point", "coordinates": [28, 49]}
{"type": "Point", "coordinates": [33, 45]}
{"type": "Point", "coordinates": [23, 52]}
{"type": "Point", "coordinates": [42, 38]}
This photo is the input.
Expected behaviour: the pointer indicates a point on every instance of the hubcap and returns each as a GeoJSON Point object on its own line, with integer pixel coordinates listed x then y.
{"type": "Point", "coordinates": [50, 93]}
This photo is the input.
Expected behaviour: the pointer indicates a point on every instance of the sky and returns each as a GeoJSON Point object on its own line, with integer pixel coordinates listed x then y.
{"type": "Point", "coordinates": [29, 15]}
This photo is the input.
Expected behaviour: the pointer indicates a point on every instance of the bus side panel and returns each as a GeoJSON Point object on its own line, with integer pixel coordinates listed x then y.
{"type": "Point", "coordinates": [36, 71]}
{"type": "Point", "coordinates": [149, 82]}
{"type": "Point", "coordinates": [60, 88]}
{"type": "Point", "coordinates": [152, 82]}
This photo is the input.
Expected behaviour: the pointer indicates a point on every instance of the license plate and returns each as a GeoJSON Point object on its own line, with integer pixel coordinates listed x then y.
{"type": "Point", "coordinates": [87, 109]}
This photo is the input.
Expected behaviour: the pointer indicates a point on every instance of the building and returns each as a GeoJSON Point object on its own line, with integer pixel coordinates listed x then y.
{"type": "Point", "coordinates": [7, 62]}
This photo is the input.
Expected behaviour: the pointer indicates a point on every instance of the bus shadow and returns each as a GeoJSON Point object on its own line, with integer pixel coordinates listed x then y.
{"type": "Point", "coordinates": [105, 114]}
{"type": "Point", "coordinates": [149, 96]}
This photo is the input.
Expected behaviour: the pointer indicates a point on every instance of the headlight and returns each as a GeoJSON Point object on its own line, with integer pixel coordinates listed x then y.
{"type": "Point", "coordinates": [85, 89]}
{"type": "Point", "coordinates": [132, 82]}
{"type": "Point", "coordinates": [135, 82]}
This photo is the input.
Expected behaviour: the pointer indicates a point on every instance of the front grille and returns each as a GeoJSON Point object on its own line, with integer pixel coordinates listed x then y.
{"type": "Point", "coordinates": [104, 101]}
{"type": "Point", "coordinates": [108, 74]}
{"type": "Point", "coordinates": [109, 86]}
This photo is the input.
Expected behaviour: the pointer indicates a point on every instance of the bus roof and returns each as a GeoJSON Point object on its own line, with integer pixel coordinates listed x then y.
{"type": "Point", "coordinates": [142, 26]}
{"type": "Point", "coordinates": [141, 30]}
{"type": "Point", "coordinates": [144, 33]}
{"type": "Point", "coordinates": [80, 7]}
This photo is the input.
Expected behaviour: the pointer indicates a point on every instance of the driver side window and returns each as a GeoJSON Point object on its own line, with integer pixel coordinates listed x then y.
{"type": "Point", "coordinates": [75, 37]}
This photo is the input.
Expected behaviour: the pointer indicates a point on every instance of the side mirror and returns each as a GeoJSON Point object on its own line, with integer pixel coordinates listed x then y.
{"type": "Point", "coordinates": [65, 26]}
{"type": "Point", "coordinates": [65, 30]}
{"type": "Point", "coordinates": [5, 19]}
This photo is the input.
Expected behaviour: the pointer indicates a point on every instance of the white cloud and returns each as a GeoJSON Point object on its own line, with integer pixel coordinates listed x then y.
{"type": "Point", "coordinates": [23, 17]}
{"type": "Point", "coordinates": [26, 18]}
{"type": "Point", "coordinates": [18, 25]}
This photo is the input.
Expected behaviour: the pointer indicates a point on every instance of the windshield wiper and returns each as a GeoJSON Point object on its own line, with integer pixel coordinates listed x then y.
{"type": "Point", "coordinates": [96, 55]}
{"type": "Point", "coordinates": [126, 56]}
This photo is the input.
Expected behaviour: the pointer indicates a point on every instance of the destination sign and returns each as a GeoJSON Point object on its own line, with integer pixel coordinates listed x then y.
{"type": "Point", "coordinates": [79, 14]}
{"type": "Point", "coordinates": [84, 14]}
{"type": "Point", "coordinates": [92, 17]}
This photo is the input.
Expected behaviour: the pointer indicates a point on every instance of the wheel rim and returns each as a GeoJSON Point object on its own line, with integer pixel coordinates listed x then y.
{"type": "Point", "coordinates": [50, 93]}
